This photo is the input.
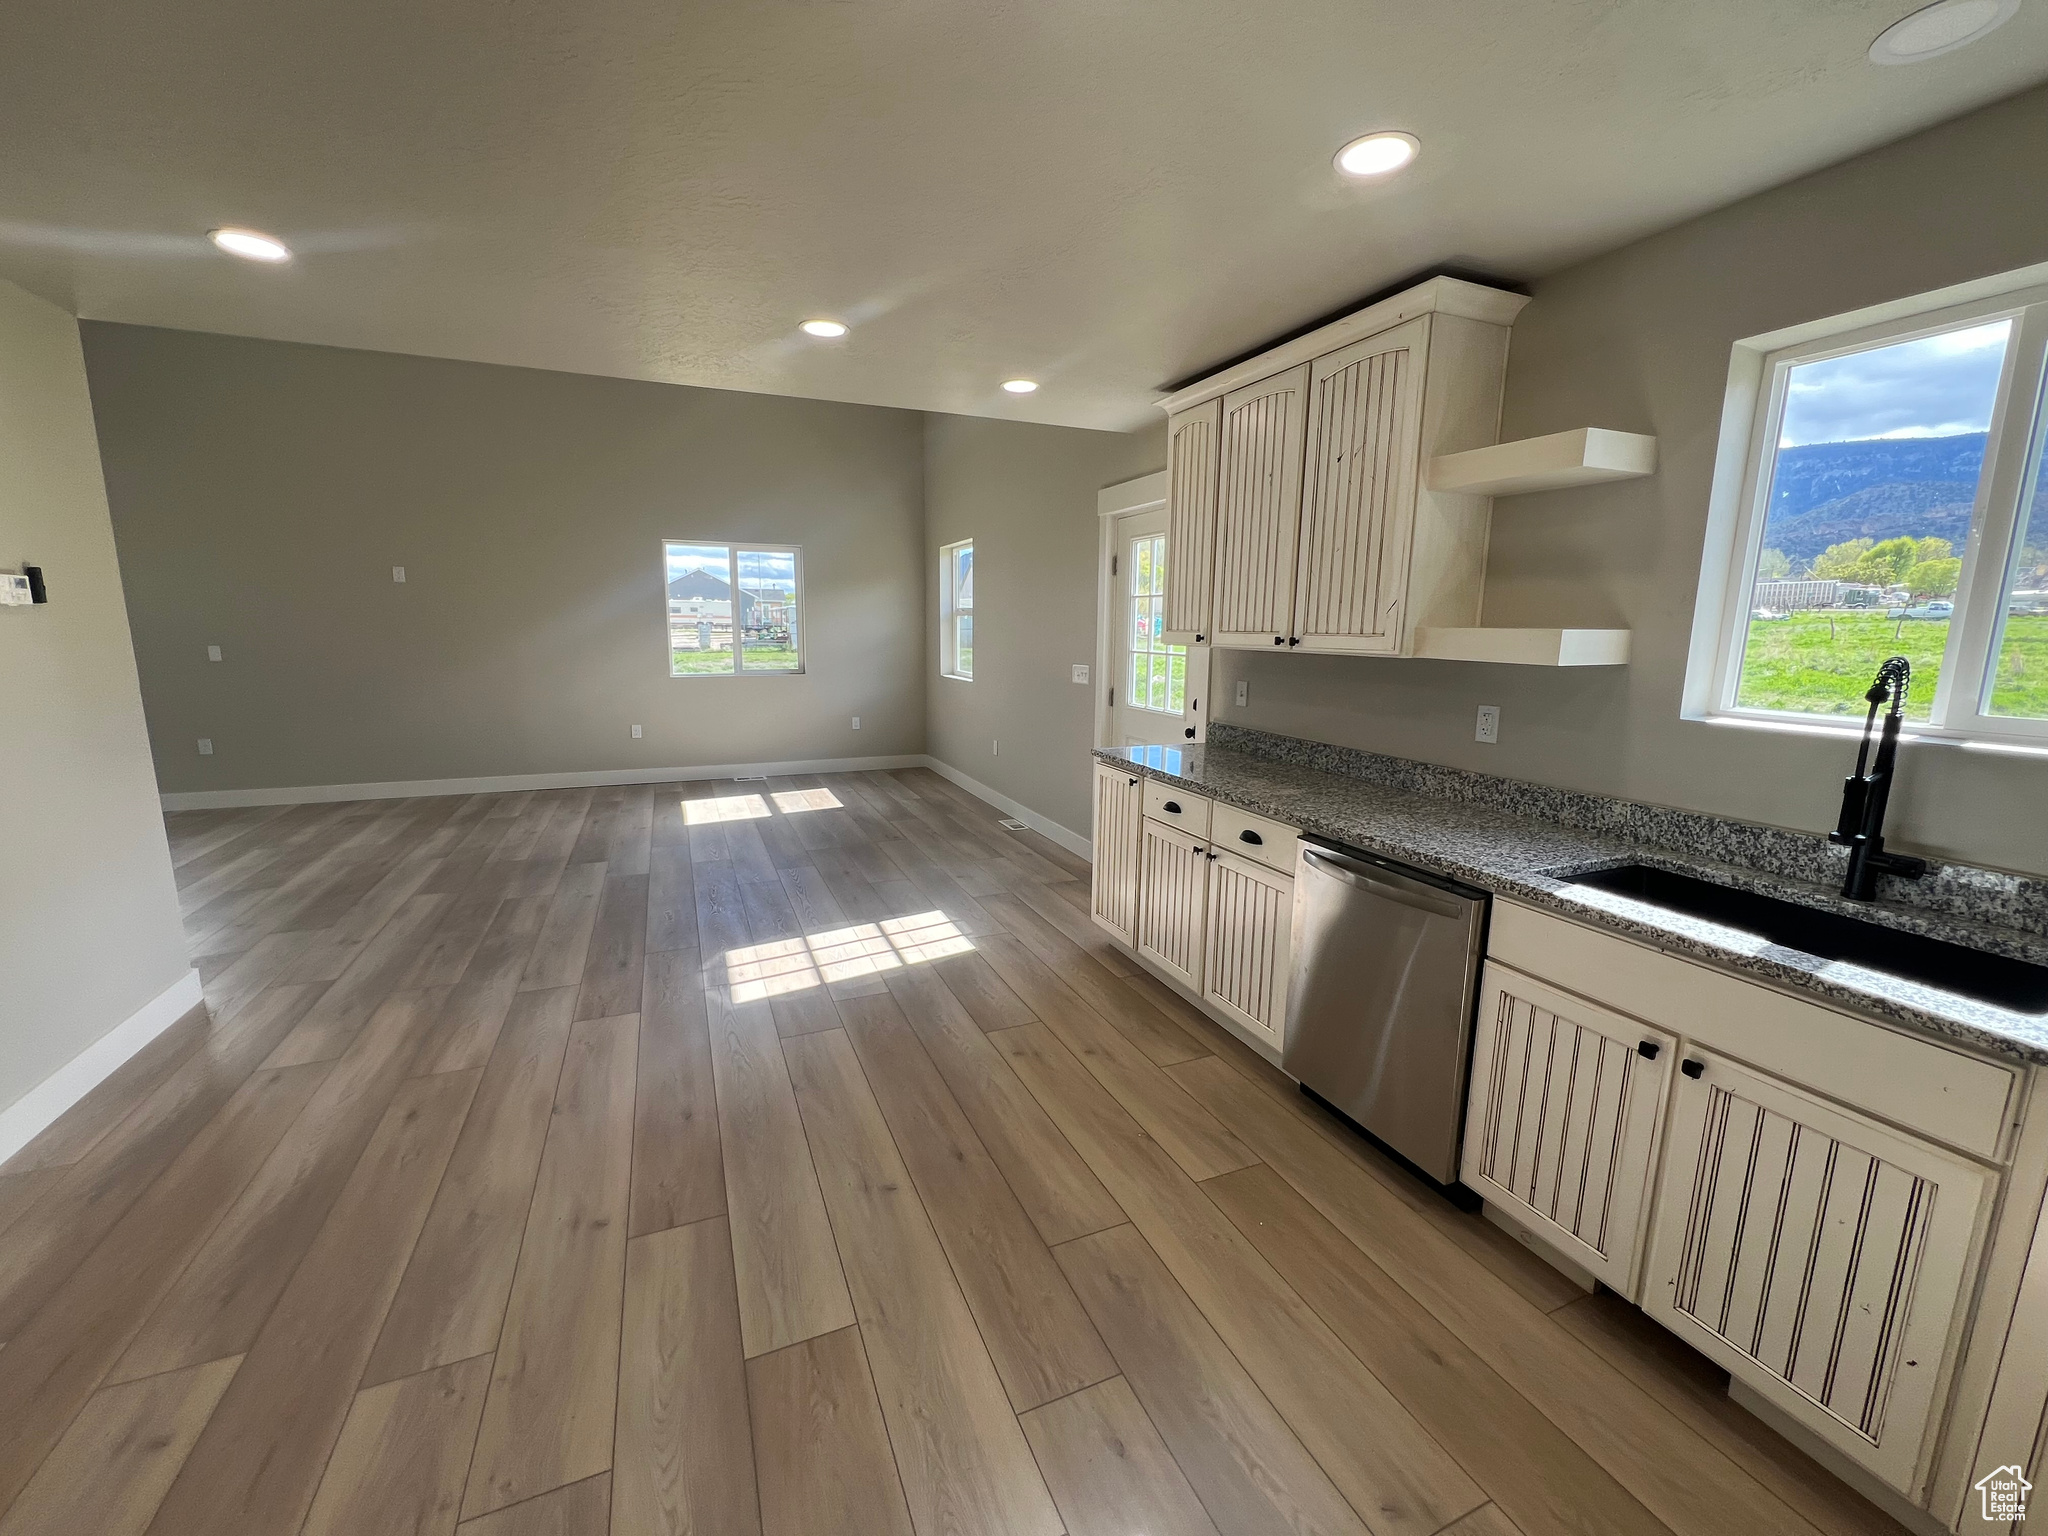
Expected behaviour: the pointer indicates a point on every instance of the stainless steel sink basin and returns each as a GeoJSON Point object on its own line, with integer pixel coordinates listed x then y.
{"type": "Point", "coordinates": [1996, 979]}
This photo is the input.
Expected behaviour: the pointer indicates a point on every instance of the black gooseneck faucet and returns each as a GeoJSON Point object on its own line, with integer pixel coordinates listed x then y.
{"type": "Point", "coordinates": [1865, 794]}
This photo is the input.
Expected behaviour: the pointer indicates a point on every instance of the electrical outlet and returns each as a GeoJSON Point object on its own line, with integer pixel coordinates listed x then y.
{"type": "Point", "coordinates": [1244, 693]}
{"type": "Point", "coordinates": [206, 746]}
{"type": "Point", "coordinates": [856, 722]}
{"type": "Point", "coordinates": [1081, 673]}
{"type": "Point", "coordinates": [213, 653]}
{"type": "Point", "coordinates": [636, 733]}
{"type": "Point", "coordinates": [1489, 723]}
{"type": "Point", "coordinates": [398, 573]}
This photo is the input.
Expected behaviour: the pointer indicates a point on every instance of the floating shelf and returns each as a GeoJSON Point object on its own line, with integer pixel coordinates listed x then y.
{"type": "Point", "coordinates": [1527, 647]}
{"type": "Point", "coordinates": [1586, 456]}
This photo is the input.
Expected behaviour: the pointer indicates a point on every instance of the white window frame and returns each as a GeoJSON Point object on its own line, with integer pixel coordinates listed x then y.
{"type": "Point", "coordinates": [734, 548]}
{"type": "Point", "coordinates": [950, 611]}
{"type": "Point", "coordinates": [1750, 425]}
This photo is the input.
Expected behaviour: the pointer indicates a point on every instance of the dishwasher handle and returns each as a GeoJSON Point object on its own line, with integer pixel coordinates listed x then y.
{"type": "Point", "coordinates": [1363, 876]}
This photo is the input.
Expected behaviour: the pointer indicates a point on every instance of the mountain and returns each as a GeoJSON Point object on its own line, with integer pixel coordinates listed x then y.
{"type": "Point", "coordinates": [1879, 488]}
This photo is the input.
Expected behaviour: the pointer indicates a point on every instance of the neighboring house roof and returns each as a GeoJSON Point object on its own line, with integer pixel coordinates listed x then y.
{"type": "Point", "coordinates": [699, 584]}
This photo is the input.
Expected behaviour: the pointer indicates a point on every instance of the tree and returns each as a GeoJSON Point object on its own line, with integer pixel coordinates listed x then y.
{"type": "Point", "coordinates": [1936, 578]}
{"type": "Point", "coordinates": [1888, 563]}
{"type": "Point", "coordinates": [1934, 549]}
{"type": "Point", "coordinates": [1838, 561]}
{"type": "Point", "coordinates": [1773, 565]}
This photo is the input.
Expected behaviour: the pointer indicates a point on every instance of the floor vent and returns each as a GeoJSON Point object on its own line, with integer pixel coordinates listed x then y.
{"type": "Point", "coordinates": [750, 778]}
{"type": "Point", "coordinates": [1015, 826]}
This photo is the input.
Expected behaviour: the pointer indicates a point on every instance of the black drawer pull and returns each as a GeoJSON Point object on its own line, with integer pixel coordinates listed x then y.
{"type": "Point", "coordinates": [1171, 807]}
{"type": "Point", "coordinates": [1648, 1049]}
{"type": "Point", "coordinates": [1249, 836]}
{"type": "Point", "coordinates": [1693, 1068]}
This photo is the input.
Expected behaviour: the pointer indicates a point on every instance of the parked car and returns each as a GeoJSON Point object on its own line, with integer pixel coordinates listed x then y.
{"type": "Point", "coordinates": [1938, 608]}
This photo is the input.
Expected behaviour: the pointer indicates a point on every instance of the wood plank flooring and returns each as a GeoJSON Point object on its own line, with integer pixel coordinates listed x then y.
{"type": "Point", "coordinates": [769, 1158]}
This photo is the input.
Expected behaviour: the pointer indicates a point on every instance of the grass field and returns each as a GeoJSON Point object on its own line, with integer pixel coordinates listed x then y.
{"type": "Point", "coordinates": [1819, 664]}
{"type": "Point", "coordinates": [760, 658]}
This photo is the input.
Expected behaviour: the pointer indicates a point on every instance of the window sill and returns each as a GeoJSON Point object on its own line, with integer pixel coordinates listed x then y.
{"type": "Point", "coordinates": [1851, 730]}
{"type": "Point", "coordinates": [958, 677]}
{"type": "Point", "coordinates": [727, 677]}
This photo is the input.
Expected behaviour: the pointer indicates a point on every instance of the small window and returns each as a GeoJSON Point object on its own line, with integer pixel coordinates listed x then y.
{"type": "Point", "coordinates": [734, 608]}
{"type": "Point", "coordinates": [1159, 671]}
{"type": "Point", "coordinates": [1888, 508]}
{"type": "Point", "coordinates": [956, 610]}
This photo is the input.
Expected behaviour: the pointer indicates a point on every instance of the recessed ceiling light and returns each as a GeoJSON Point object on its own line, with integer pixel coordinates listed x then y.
{"type": "Point", "coordinates": [826, 328]}
{"type": "Point", "coordinates": [1940, 28]}
{"type": "Point", "coordinates": [1377, 154]}
{"type": "Point", "coordinates": [250, 244]}
{"type": "Point", "coordinates": [1020, 386]}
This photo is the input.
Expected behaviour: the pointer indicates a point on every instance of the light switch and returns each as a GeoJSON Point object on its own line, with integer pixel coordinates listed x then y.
{"type": "Point", "coordinates": [1081, 673]}
{"type": "Point", "coordinates": [213, 653]}
{"type": "Point", "coordinates": [206, 746]}
{"type": "Point", "coordinates": [636, 733]}
{"type": "Point", "coordinates": [856, 722]}
{"type": "Point", "coordinates": [398, 573]}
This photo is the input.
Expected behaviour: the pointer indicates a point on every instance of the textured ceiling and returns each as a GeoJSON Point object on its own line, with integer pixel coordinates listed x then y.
{"type": "Point", "coordinates": [1101, 194]}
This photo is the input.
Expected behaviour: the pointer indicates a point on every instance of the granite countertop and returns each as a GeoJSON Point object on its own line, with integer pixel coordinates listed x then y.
{"type": "Point", "coordinates": [1533, 859]}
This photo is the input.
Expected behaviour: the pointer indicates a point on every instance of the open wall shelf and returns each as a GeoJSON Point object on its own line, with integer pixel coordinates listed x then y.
{"type": "Point", "coordinates": [1527, 647]}
{"type": "Point", "coordinates": [1585, 456]}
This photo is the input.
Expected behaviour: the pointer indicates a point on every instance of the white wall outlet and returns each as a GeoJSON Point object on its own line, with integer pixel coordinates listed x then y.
{"type": "Point", "coordinates": [14, 591]}
{"type": "Point", "coordinates": [1489, 723]}
{"type": "Point", "coordinates": [1244, 693]}
{"type": "Point", "coordinates": [206, 746]}
{"type": "Point", "coordinates": [636, 733]}
{"type": "Point", "coordinates": [213, 653]}
{"type": "Point", "coordinates": [1081, 673]}
{"type": "Point", "coordinates": [856, 722]}
{"type": "Point", "coordinates": [398, 573]}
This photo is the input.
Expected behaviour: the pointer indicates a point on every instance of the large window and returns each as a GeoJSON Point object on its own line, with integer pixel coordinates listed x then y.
{"type": "Point", "coordinates": [956, 610]}
{"type": "Point", "coordinates": [1890, 505]}
{"type": "Point", "coordinates": [1159, 672]}
{"type": "Point", "coordinates": [734, 608]}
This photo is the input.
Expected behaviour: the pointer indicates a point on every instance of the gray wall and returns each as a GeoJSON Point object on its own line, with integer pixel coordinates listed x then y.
{"type": "Point", "coordinates": [1639, 339]}
{"type": "Point", "coordinates": [1026, 495]}
{"type": "Point", "coordinates": [89, 928]}
{"type": "Point", "coordinates": [262, 491]}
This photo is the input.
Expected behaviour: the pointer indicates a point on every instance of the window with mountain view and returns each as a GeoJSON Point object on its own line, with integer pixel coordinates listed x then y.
{"type": "Point", "coordinates": [1892, 478]}
{"type": "Point", "coordinates": [733, 609]}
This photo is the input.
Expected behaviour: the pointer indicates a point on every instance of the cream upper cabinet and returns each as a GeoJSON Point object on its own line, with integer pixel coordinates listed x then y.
{"type": "Point", "coordinates": [1194, 438]}
{"type": "Point", "coordinates": [1326, 536]}
{"type": "Point", "coordinates": [1821, 1257]}
{"type": "Point", "coordinates": [1258, 510]}
{"type": "Point", "coordinates": [1358, 492]}
{"type": "Point", "coordinates": [1113, 892]}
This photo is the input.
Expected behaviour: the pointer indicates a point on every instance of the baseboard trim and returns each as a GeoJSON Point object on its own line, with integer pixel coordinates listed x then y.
{"type": "Point", "coordinates": [28, 1116]}
{"type": "Point", "coordinates": [412, 789]}
{"type": "Point", "coordinates": [1043, 825]}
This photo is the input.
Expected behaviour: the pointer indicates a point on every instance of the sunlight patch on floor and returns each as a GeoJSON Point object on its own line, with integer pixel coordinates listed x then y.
{"type": "Point", "coordinates": [698, 813]}
{"type": "Point", "coordinates": [790, 801]}
{"type": "Point", "coordinates": [759, 971]}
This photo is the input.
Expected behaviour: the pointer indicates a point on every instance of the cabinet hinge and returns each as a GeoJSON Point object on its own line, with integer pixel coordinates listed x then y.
{"type": "Point", "coordinates": [1112, 564]}
{"type": "Point", "coordinates": [1112, 695]}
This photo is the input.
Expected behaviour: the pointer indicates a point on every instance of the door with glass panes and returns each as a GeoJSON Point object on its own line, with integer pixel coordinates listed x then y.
{"type": "Point", "coordinates": [1155, 688]}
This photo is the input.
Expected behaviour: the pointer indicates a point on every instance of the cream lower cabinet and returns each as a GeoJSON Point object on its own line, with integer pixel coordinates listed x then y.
{"type": "Point", "coordinates": [1246, 953]}
{"type": "Point", "coordinates": [1824, 1259]}
{"type": "Point", "coordinates": [1173, 892]}
{"type": "Point", "coordinates": [1113, 895]}
{"type": "Point", "coordinates": [1566, 1106]}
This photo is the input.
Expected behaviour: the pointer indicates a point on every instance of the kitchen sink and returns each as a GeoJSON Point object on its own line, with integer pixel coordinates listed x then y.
{"type": "Point", "coordinates": [1996, 979]}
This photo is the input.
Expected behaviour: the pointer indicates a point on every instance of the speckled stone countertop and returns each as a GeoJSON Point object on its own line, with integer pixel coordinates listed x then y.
{"type": "Point", "coordinates": [1527, 842]}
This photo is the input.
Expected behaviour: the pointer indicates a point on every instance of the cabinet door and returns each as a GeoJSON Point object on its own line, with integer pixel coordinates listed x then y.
{"type": "Point", "coordinates": [1561, 1131]}
{"type": "Point", "coordinates": [1258, 510]}
{"type": "Point", "coordinates": [1245, 957]}
{"type": "Point", "coordinates": [1822, 1258]}
{"type": "Point", "coordinates": [1358, 493]}
{"type": "Point", "coordinates": [1113, 898]}
{"type": "Point", "coordinates": [1172, 896]}
{"type": "Point", "coordinates": [1194, 438]}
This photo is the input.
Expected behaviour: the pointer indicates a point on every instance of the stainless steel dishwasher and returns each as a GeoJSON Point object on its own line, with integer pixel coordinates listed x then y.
{"type": "Point", "coordinates": [1379, 1018]}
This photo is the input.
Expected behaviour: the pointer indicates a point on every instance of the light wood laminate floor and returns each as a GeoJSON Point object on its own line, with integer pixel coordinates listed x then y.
{"type": "Point", "coordinates": [786, 1156]}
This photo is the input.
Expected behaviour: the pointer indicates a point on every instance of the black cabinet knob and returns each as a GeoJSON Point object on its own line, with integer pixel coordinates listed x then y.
{"type": "Point", "coordinates": [1249, 836]}
{"type": "Point", "coordinates": [1134, 782]}
{"type": "Point", "coordinates": [1693, 1068]}
{"type": "Point", "coordinates": [1279, 639]}
{"type": "Point", "coordinates": [1294, 639]}
{"type": "Point", "coordinates": [1200, 638]}
{"type": "Point", "coordinates": [1189, 733]}
{"type": "Point", "coordinates": [1648, 1049]}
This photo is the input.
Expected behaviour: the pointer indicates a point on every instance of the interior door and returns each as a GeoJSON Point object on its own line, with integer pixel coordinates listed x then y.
{"type": "Point", "coordinates": [1258, 510]}
{"type": "Point", "coordinates": [1358, 492]}
{"type": "Point", "coordinates": [1156, 686]}
{"type": "Point", "coordinates": [1820, 1257]}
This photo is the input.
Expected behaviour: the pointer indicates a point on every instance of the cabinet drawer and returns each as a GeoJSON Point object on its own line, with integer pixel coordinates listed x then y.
{"type": "Point", "coordinates": [1264, 841]}
{"type": "Point", "coordinates": [1953, 1097]}
{"type": "Point", "coordinates": [1177, 808]}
